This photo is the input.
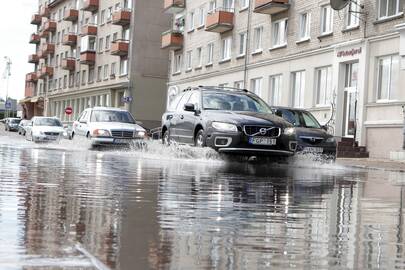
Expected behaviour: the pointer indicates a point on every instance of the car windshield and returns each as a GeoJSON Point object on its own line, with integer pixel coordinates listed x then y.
{"type": "Point", "coordinates": [15, 121]}
{"type": "Point", "coordinates": [309, 120]}
{"type": "Point", "coordinates": [299, 118]}
{"type": "Point", "coordinates": [233, 102]}
{"type": "Point", "coordinates": [49, 122]}
{"type": "Point", "coordinates": [112, 116]}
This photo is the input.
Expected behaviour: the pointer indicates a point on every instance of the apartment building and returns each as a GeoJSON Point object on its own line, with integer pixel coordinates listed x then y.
{"type": "Point", "coordinates": [85, 55]}
{"type": "Point", "coordinates": [345, 66]}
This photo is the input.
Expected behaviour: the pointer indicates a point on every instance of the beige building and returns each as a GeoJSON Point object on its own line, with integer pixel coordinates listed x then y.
{"type": "Point", "coordinates": [301, 54]}
{"type": "Point", "coordinates": [88, 50]}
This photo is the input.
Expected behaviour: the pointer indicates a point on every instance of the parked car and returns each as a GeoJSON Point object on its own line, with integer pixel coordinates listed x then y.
{"type": "Point", "coordinates": [231, 121]}
{"type": "Point", "coordinates": [108, 126]}
{"type": "Point", "coordinates": [22, 127]}
{"type": "Point", "coordinates": [11, 124]}
{"type": "Point", "coordinates": [312, 137]}
{"type": "Point", "coordinates": [44, 129]}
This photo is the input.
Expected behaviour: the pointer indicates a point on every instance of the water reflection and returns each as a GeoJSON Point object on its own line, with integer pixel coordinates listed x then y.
{"type": "Point", "coordinates": [133, 212]}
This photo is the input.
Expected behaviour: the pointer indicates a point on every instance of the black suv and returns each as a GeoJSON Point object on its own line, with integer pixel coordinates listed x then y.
{"type": "Point", "coordinates": [231, 121]}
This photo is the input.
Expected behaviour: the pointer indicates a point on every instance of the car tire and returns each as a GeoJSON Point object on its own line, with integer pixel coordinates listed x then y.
{"type": "Point", "coordinates": [166, 137]}
{"type": "Point", "coordinates": [199, 140]}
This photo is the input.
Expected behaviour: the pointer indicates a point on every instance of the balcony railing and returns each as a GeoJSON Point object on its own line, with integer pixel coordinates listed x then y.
{"type": "Point", "coordinates": [271, 6]}
{"type": "Point", "coordinates": [88, 58]}
{"type": "Point", "coordinates": [172, 39]}
{"type": "Point", "coordinates": [35, 39]}
{"type": "Point", "coordinates": [89, 30]}
{"type": "Point", "coordinates": [36, 19]}
{"type": "Point", "coordinates": [50, 26]}
{"type": "Point", "coordinates": [31, 77]}
{"type": "Point", "coordinates": [90, 5]}
{"type": "Point", "coordinates": [174, 6]}
{"type": "Point", "coordinates": [45, 71]}
{"type": "Point", "coordinates": [69, 63]}
{"type": "Point", "coordinates": [71, 15]}
{"type": "Point", "coordinates": [122, 17]}
{"type": "Point", "coordinates": [120, 47]}
{"type": "Point", "coordinates": [43, 33]}
{"type": "Point", "coordinates": [33, 59]}
{"type": "Point", "coordinates": [220, 20]}
{"type": "Point", "coordinates": [48, 48]}
{"type": "Point", "coordinates": [44, 12]}
{"type": "Point", "coordinates": [70, 39]}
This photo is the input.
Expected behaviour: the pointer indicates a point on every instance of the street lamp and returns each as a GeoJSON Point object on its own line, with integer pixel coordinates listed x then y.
{"type": "Point", "coordinates": [6, 76]}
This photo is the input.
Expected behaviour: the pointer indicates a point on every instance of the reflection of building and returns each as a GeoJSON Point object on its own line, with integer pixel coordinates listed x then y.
{"type": "Point", "coordinates": [300, 54]}
{"type": "Point", "coordinates": [97, 53]}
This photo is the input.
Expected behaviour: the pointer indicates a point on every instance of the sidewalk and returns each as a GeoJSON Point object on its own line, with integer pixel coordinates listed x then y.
{"type": "Point", "coordinates": [373, 164]}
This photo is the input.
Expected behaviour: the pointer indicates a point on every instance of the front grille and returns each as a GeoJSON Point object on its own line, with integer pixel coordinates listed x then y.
{"type": "Point", "coordinates": [122, 134]}
{"type": "Point", "coordinates": [311, 140]}
{"type": "Point", "coordinates": [264, 131]}
{"type": "Point", "coordinates": [52, 133]}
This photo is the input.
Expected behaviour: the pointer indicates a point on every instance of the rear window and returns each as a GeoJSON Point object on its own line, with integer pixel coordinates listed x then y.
{"type": "Point", "coordinates": [15, 121]}
{"type": "Point", "coordinates": [112, 116]}
{"type": "Point", "coordinates": [49, 122]}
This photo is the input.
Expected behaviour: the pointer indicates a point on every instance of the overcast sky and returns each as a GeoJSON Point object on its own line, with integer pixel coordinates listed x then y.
{"type": "Point", "coordinates": [15, 30]}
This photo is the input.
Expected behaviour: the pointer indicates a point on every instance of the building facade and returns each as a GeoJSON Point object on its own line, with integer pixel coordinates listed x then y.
{"type": "Point", "coordinates": [344, 66]}
{"type": "Point", "coordinates": [84, 57]}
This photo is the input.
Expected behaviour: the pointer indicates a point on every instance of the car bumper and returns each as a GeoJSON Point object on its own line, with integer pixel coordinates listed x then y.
{"type": "Point", "coordinates": [12, 128]}
{"type": "Point", "coordinates": [114, 141]}
{"type": "Point", "coordinates": [321, 149]}
{"type": "Point", "coordinates": [45, 138]}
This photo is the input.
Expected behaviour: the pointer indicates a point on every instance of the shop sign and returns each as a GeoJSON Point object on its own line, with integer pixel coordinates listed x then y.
{"type": "Point", "coordinates": [351, 52]}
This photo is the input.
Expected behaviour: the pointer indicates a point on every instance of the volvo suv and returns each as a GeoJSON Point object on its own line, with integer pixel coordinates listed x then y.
{"type": "Point", "coordinates": [231, 121]}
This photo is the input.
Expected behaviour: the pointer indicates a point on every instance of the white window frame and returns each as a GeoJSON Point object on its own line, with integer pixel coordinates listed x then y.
{"type": "Point", "coordinates": [279, 31]}
{"type": "Point", "coordinates": [210, 53]}
{"type": "Point", "coordinates": [304, 31]}
{"type": "Point", "coordinates": [226, 49]}
{"type": "Point", "coordinates": [326, 23]}
{"type": "Point", "coordinates": [243, 4]}
{"type": "Point", "coordinates": [229, 5]}
{"type": "Point", "coordinates": [256, 85]}
{"type": "Point", "coordinates": [212, 5]}
{"type": "Point", "coordinates": [238, 84]}
{"type": "Point", "coordinates": [242, 44]}
{"type": "Point", "coordinates": [123, 66]}
{"type": "Point", "coordinates": [191, 21]}
{"type": "Point", "coordinates": [201, 17]}
{"type": "Point", "coordinates": [385, 16]}
{"type": "Point", "coordinates": [199, 52]}
{"type": "Point", "coordinates": [275, 95]}
{"type": "Point", "coordinates": [392, 87]}
{"type": "Point", "coordinates": [352, 14]}
{"type": "Point", "coordinates": [297, 95]}
{"type": "Point", "coordinates": [177, 63]}
{"type": "Point", "coordinates": [257, 39]}
{"type": "Point", "coordinates": [323, 86]}
{"type": "Point", "coordinates": [189, 60]}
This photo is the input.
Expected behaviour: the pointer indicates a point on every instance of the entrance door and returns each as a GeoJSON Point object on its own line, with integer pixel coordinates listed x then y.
{"type": "Point", "coordinates": [350, 100]}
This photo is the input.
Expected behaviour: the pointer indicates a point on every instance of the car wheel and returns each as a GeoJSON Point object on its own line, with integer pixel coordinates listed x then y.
{"type": "Point", "coordinates": [199, 140]}
{"type": "Point", "coordinates": [166, 138]}
{"type": "Point", "coordinates": [71, 136]}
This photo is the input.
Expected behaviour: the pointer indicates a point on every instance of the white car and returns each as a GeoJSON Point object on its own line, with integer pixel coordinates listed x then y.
{"type": "Point", "coordinates": [44, 129]}
{"type": "Point", "coordinates": [108, 126]}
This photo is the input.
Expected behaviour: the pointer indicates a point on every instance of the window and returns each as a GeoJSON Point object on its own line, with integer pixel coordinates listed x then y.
{"type": "Point", "coordinates": [64, 81]}
{"type": "Point", "coordinates": [109, 14]}
{"type": "Point", "coordinates": [102, 18]}
{"type": "Point", "coordinates": [229, 5]}
{"type": "Point", "coordinates": [305, 24]}
{"type": "Point", "coordinates": [123, 66]}
{"type": "Point", "coordinates": [326, 20]}
{"type": "Point", "coordinates": [100, 44]}
{"type": "Point", "coordinates": [387, 81]}
{"type": "Point", "coordinates": [195, 99]}
{"type": "Point", "coordinates": [226, 49]}
{"type": "Point", "coordinates": [275, 90]}
{"type": "Point", "coordinates": [201, 17]}
{"type": "Point", "coordinates": [279, 33]}
{"type": "Point", "coordinates": [115, 36]}
{"type": "Point", "coordinates": [83, 77]}
{"type": "Point", "coordinates": [60, 83]}
{"type": "Point", "coordinates": [210, 53]}
{"type": "Point", "coordinates": [191, 21]}
{"type": "Point", "coordinates": [189, 57]}
{"type": "Point", "coordinates": [105, 73]}
{"type": "Point", "coordinates": [257, 39]}
{"type": "Point", "coordinates": [352, 15]}
{"type": "Point", "coordinates": [88, 43]}
{"type": "Point", "coordinates": [107, 42]}
{"type": "Point", "coordinates": [212, 5]}
{"type": "Point", "coordinates": [113, 67]}
{"type": "Point", "coordinates": [177, 63]}
{"type": "Point", "coordinates": [243, 4]}
{"type": "Point", "coordinates": [298, 88]}
{"type": "Point", "coordinates": [99, 68]}
{"type": "Point", "coordinates": [256, 85]}
{"type": "Point", "coordinates": [388, 8]}
{"type": "Point", "coordinates": [238, 85]}
{"type": "Point", "coordinates": [199, 57]}
{"type": "Point", "coordinates": [77, 78]}
{"type": "Point", "coordinates": [91, 75]}
{"type": "Point", "coordinates": [71, 79]}
{"type": "Point", "coordinates": [323, 80]}
{"type": "Point", "coordinates": [242, 43]}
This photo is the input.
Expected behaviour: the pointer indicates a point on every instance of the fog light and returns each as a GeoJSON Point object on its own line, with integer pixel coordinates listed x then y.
{"type": "Point", "coordinates": [223, 141]}
{"type": "Point", "coordinates": [293, 146]}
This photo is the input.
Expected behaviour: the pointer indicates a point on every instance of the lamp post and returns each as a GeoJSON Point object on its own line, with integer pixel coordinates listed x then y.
{"type": "Point", "coordinates": [6, 76]}
{"type": "Point", "coordinates": [403, 130]}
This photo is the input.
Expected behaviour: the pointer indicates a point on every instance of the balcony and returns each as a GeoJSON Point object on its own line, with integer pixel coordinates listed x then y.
{"type": "Point", "coordinates": [89, 30]}
{"type": "Point", "coordinates": [36, 19]}
{"type": "Point", "coordinates": [69, 63]}
{"type": "Point", "coordinates": [174, 6]}
{"type": "Point", "coordinates": [35, 39]}
{"type": "Point", "coordinates": [90, 5]}
{"type": "Point", "coordinates": [122, 17]}
{"type": "Point", "coordinates": [29, 89]}
{"type": "Point", "coordinates": [71, 15]}
{"type": "Point", "coordinates": [271, 6]}
{"type": "Point", "coordinates": [48, 48]}
{"type": "Point", "coordinates": [40, 54]}
{"type": "Point", "coordinates": [31, 77]}
{"type": "Point", "coordinates": [33, 59]}
{"type": "Point", "coordinates": [43, 34]}
{"type": "Point", "coordinates": [50, 26]}
{"type": "Point", "coordinates": [120, 47]}
{"type": "Point", "coordinates": [220, 21]}
{"type": "Point", "coordinates": [44, 72]}
{"type": "Point", "coordinates": [88, 58]}
{"type": "Point", "coordinates": [44, 12]}
{"type": "Point", "coordinates": [172, 39]}
{"type": "Point", "coordinates": [70, 39]}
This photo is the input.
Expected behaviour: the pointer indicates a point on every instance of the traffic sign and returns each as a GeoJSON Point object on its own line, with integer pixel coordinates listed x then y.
{"type": "Point", "coordinates": [8, 104]}
{"type": "Point", "coordinates": [68, 110]}
{"type": "Point", "coordinates": [127, 99]}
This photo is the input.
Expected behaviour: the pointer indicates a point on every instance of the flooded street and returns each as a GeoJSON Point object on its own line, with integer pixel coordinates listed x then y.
{"type": "Point", "coordinates": [65, 207]}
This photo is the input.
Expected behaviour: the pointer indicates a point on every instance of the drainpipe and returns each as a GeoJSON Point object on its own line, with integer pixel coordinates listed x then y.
{"type": "Point", "coordinates": [247, 50]}
{"type": "Point", "coordinates": [403, 115]}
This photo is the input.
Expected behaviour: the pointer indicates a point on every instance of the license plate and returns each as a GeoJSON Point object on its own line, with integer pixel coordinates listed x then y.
{"type": "Point", "coordinates": [314, 149]}
{"type": "Point", "coordinates": [262, 141]}
{"type": "Point", "coordinates": [122, 141]}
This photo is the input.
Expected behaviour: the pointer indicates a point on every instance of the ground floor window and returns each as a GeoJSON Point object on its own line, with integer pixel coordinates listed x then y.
{"type": "Point", "coordinates": [256, 85]}
{"type": "Point", "coordinates": [298, 89]}
{"type": "Point", "coordinates": [388, 72]}
{"type": "Point", "coordinates": [275, 90]}
{"type": "Point", "coordinates": [323, 81]}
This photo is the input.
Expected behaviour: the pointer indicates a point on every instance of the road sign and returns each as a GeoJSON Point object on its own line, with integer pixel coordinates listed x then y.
{"type": "Point", "coordinates": [68, 110]}
{"type": "Point", "coordinates": [127, 99]}
{"type": "Point", "coordinates": [8, 104]}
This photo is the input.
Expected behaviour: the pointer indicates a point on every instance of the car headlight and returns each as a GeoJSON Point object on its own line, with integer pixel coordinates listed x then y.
{"type": "Point", "coordinates": [289, 131]}
{"type": "Point", "coordinates": [224, 126]}
{"type": "Point", "coordinates": [140, 133]}
{"type": "Point", "coordinates": [331, 140]}
{"type": "Point", "coordinates": [101, 133]}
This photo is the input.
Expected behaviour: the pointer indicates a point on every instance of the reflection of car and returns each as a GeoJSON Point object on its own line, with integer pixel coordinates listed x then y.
{"type": "Point", "coordinates": [22, 127]}
{"type": "Point", "coordinates": [231, 121]}
{"type": "Point", "coordinates": [44, 129]}
{"type": "Point", "coordinates": [11, 124]}
{"type": "Point", "coordinates": [311, 136]}
{"type": "Point", "coordinates": [108, 126]}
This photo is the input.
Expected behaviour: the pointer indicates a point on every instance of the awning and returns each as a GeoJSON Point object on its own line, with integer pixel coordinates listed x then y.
{"type": "Point", "coordinates": [36, 99]}
{"type": "Point", "coordinates": [25, 100]}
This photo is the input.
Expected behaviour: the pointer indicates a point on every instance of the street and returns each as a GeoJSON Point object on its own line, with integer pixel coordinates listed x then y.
{"type": "Point", "coordinates": [63, 206]}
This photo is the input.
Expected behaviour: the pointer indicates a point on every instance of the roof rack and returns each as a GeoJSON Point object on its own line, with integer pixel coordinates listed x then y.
{"type": "Point", "coordinates": [223, 88]}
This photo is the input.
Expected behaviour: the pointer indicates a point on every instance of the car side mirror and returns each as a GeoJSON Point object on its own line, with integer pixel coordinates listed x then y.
{"type": "Point", "coordinates": [189, 107]}
{"type": "Point", "coordinates": [324, 127]}
{"type": "Point", "coordinates": [139, 123]}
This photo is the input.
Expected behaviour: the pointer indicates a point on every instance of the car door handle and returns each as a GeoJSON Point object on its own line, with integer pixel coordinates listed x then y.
{"type": "Point", "coordinates": [181, 116]}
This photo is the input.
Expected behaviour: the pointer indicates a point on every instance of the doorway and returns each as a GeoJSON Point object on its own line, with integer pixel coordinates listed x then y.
{"type": "Point", "coordinates": [350, 100]}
